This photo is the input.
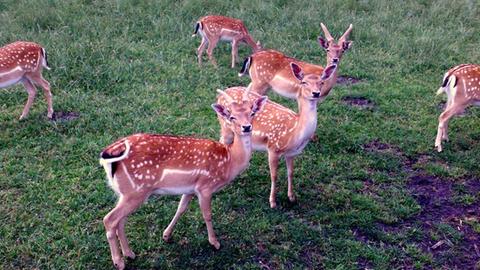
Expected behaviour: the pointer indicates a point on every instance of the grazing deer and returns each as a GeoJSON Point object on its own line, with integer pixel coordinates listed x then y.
{"type": "Point", "coordinates": [271, 69]}
{"type": "Point", "coordinates": [23, 62]}
{"type": "Point", "coordinates": [279, 130]}
{"type": "Point", "coordinates": [462, 86]}
{"type": "Point", "coordinates": [214, 28]}
{"type": "Point", "coordinates": [144, 164]}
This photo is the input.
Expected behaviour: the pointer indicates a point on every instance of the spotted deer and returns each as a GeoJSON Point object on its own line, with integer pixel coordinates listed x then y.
{"type": "Point", "coordinates": [279, 130]}
{"type": "Point", "coordinates": [462, 86]}
{"type": "Point", "coordinates": [144, 164]}
{"type": "Point", "coordinates": [23, 62]}
{"type": "Point", "coordinates": [215, 28]}
{"type": "Point", "coordinates": [271, 69]}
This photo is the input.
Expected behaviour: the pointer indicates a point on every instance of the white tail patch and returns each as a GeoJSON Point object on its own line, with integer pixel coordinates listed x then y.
{"type": "Point", "coordinates": [44, 59]}
{"type": "Point", "coordinates": [107, 163]}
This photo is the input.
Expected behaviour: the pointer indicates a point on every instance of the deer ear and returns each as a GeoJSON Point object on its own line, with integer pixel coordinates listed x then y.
{"type": "Point", "coordinates": [328, 71]}
{"type": "Point", "coordinates": [323, 42]}
{"type": "Point", "coordinates": [221, 111]}
{"type": "Point", "coordinates": [347, 45]}
{"type": "Point", "coordinates": [259, 103]}
{"type": "Point", "coordinates": [297, 71]}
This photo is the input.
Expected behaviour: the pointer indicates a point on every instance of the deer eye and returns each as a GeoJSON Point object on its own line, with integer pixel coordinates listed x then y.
{"type": "Point", "coordinates": [232, 118]}
{"type": "Point", "coordinates": [328, 50]}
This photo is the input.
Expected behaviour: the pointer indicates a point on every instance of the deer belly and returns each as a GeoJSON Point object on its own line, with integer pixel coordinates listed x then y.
{"type": "Point", "coordinates": [174, 190]}
{"type": "Point", "coordinates": [284, 87]}
{"type": "Point", "coordinates": [297, 150]}
{"type": "Point", "coordinates": [9, 80]}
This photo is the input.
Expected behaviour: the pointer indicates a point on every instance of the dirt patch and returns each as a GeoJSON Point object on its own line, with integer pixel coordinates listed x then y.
{"type": "Point", "coordinates": [65, 116]}
{"type": "Point", "coordinates": [348, 80]}
{"type": "Point", "coordinates": [359, 102]}
{"type": "Point", "coordinates": [447, 231]}
{"type": "Point", "coordinates": [449, 227]}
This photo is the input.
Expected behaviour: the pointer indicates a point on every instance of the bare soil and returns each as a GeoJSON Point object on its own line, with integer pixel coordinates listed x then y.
{"type": "Point", "coordinates": [359, 102]}
{"type": "Point", "coordinates": [436, 197]}
{"type": "Point", "coordinates": [65, 116]}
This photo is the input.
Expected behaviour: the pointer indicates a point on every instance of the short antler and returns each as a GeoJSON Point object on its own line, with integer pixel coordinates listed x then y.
{"type": "Point", "coordinates": [346, 34]}
{"type": "Point", "coordinates": [326, 32]}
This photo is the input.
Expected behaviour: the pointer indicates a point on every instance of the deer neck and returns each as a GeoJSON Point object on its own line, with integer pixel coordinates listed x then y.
{"type": "Point", "coordinates": [307, 118]}
{"type": "Point", "coordinates": [240, 153]}
{"type": "Point", "coordinates": [249, 40]}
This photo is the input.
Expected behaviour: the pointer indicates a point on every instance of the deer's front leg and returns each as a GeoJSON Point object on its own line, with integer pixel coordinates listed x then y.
{"type": "Point", "coordinates": [32, 91]}
{"type": "Point", "coordinates": [273, 164]}
{"type": "Point", "coordinates": [234, 52]}
{"type": "Point", "coordinates": [182, 207]}
{"type": "Point", "coordinates": [205, 201]}
{"type": "Point", "coordinates": [289, 162]}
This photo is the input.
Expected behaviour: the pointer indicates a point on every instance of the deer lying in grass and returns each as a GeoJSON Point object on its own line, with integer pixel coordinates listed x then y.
{"type": "Point", "coordinates": [271, 69]}
{"type": "Point", "coordinates": [462, 86]}
{"type": "Point", "coordinates": [279, 130]}
{"type": "Point", "coordinates": [144, 164]}
{"type": "Point", "coordinates": [23, 62]}
{"type": "Point", "coordinates": [215, 28]}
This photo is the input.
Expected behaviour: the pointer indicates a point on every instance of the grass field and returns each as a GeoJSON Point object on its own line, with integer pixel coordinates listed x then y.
{"type": "Point", "coordinates": [372, 192]}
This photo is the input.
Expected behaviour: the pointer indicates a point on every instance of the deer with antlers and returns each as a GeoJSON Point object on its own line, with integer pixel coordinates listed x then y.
{"type": "Point", "coordinates": [271, 69]}
{"type": "Point", "coordinates": [215, 28]}
{"type": "Point", "coordinates": [23, 62]}
{"type": "Point", "coordinates": [277, 129]}
{"type": "Point", "coordinates": [462, 86]}
{"type": "Point", "coordinates": [144, 164]}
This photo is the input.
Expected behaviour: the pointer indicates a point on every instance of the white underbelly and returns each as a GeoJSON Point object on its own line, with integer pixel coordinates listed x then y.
{"type": "Point", "coordinates": [6, 83]}
{"type": "Point", "coordinates": [174, 190]}
{"type": "Point", "coordinates": [259, 147]}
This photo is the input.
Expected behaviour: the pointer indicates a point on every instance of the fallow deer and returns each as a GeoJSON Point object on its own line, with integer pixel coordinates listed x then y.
{"type": "Point", "coordinates": [280, 131]}
{"type": "Point", "coordinates": [144, 164]}
{"type": "Point", "coordinates": [23, 62]}
{"type": "Point", "coordinates": [215, 28]}
{"type": "Point", "coordinates": [271, 69]}
{"type": "Point", "coordinates": [462, 86]}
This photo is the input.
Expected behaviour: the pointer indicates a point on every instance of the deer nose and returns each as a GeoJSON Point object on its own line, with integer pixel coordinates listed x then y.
{"type": "Point", "coordinates": [316, 94]}
{"type": "Point", "coordinates": [247, 128]}
{"type": "Point", "coordinates": [335, 60]}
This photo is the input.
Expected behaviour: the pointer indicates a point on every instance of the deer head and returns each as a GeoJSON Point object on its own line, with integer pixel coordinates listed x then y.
{"type": "Point", "coordinates": [312, 85]}
{"type": "Point", "coordinates": [335, 50]}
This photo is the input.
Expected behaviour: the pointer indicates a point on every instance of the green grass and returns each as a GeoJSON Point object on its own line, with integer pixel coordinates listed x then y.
{"type": "Point", "coordinates": [130, 66]}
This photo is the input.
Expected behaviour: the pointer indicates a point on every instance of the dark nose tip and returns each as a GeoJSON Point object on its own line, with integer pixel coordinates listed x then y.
{"type": "Point", "coordinates": [335, 60]}
{"type": "Point", "coordinates": [316, 94]}
{"type": "Point", "coordinates": [247, 128]}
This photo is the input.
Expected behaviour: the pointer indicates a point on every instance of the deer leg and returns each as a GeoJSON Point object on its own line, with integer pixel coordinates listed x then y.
{"type": "Point", "coordinates": [273, 164]}
{"type": "Point", "coordinates": [211, 45]}
{"type": "Point", "coordinates": [127, 252]}
{"type": "Point", "coordinates": [182, 207]}
{"type": "Point", "coordinates": [38, 79]}
{"type": "Point", "coordinates": [112, 220]}
{"type": "Point", "coordinates": [289, 162]}
{"type": "Point", "coordinates": [201, 49]}
{"type": "Point", "coordinates": [32, 91]}
{"type": "Point", "coordinates": [443, 123]}
{"type": "Point", "coordinates": [234, 52]}
{"type": "Point", "coordinates": [205, 201]}
{"type": "Point", "coordinates": [259, 88]}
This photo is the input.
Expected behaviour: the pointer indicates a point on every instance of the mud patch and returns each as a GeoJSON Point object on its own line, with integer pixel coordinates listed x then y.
{"type": "Point", "coordinates": [348, 80]}
{"type": "Point", "coordinates": [447, 225]}
{"type": "Point", "coordinates": [65, 116]}
{"type": "Point", "coordinates": [377, 146]}
{"type": "Point", "coordinates": [359, 102]}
